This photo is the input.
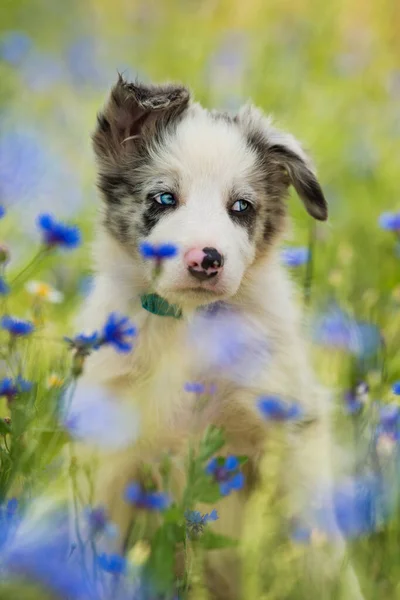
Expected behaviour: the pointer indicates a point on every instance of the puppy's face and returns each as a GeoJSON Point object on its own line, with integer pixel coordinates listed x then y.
{"type": "Point", "coordinates": [212, 185]}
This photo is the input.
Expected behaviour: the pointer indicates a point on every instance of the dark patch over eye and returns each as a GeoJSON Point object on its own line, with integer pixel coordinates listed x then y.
{"type": "Point", "coordinates": [243, 213]}
{"type": "Point", "coordinates": [157, 205]}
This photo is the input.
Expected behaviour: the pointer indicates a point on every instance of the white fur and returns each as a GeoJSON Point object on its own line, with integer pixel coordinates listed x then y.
{"type": "Point", "coordinates": [209, 159]}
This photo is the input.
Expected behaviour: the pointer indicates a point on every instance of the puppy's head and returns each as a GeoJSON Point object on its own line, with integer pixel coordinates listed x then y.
{"type": "Point", "coordinates": [212, 184]}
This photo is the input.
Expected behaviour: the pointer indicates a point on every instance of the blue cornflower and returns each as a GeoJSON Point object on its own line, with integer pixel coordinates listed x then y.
{"type": "Point", "coordinates": [14, 47]}
{"type": "Point", "coordinates": [355, 399]}
{"type": "Point", "coordinates": [195, 387]}
{"type": "Point", "coordinates": [16, 327]}
{"type": "Point", "coordinates": [11, 388]}
{"type": "Point", "coordinates": [226, 473]}
{"type": "Point", "coordinates": [396, 388]}
{"type": "Point", "coordinates": [295, 257]}
{"type": "Point", "coordinates": [98, 522]}
{"type": "Point", "coordinates": [58, 234]}
{"type": "Point", "coordinates": [112, 563]}
{"type": "Point", "coordinates": [274, 409]}
{"type": "Point", "coordinates": [389, 421]}
{"type": "Point", "coordinates": [2, 211]}
{"type": "Point", "coordinates": [137, 495]}
{"type": "Point", "coordinates": [83, 343]}
{"type": "Point", "coordinates": [4, 287]}
{"type": "Point", "coordinates": [157, 251]}
{"type": "Point", "coordinates": [336, 329]}
{"type": "Point", "coordinates": [116, 332]}
{"type": "Point", "coordinates": [9, 519]}
{"type": "Point", "coordinates": [195, 521]}
{"type": "Point", "coordinates": [390, 221]}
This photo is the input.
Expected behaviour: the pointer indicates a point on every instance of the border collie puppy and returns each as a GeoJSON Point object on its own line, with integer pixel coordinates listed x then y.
{"type": "Point", "coordinates": [221, 311]}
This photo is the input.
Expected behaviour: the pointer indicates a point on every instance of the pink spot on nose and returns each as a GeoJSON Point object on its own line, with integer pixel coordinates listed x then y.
{"type": "Point", "coordinates": [194, 257]}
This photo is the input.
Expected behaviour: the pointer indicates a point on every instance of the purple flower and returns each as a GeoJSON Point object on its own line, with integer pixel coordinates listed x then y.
{"type": "Point", "coordinates": [335, 329]}
{"type": "Point", "coordinates": [226, 344]}
{"type": "Point", "coordinates": [390, 221]}
{"type": "Point", "coordinates": [37, 550]}
{"type": "Point", "coordinates": [226, 473]}
{"type": "Point", "coordinates": [157, 251]}
{"type": "Point", "coordinates": [355, 399]}
{"type": "Point", "coordinates": [14, 47]}
{"type": "Point", "coordinates": [195, 388]}
{"type": "Point", "coordinates": [354, 507]}
{"type": "Point", "coordinates": [273, 408]}
{"type": "Point", "coordinates": [98, 523]}
{"type": "Point", "coordinates": [83, 343]}
{"type": "Point", "coordinates": [117, 332]}
{"type": "Point", "coordinates": [137, 495]}
{"type": "Point", "coordinates": [16, 327]}
{"type": "Point", "coordinates": [94, 417]}
{"type": "Point", "coordinates": [4, 287]}
{"type": "Point", "coordinates": [112, 563]}
{"type": "Point", "coordinates": [195, 521]}
{"type": "Point", "coordinates": [10, 388]}
{"type": "Point", "coordinates": [57, 234]}
{"type": "Point", "coordinates": [295, 257]}
{"type": "Point", "coordinates": [389, 421]}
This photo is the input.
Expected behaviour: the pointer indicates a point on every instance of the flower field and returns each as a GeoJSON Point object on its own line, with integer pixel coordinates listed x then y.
{"type": "Point", "coordinates": [330, 74]}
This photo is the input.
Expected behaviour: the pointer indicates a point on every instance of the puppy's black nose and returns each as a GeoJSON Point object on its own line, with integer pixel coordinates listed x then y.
{"type": "Point", "coordinates": [204, 264]}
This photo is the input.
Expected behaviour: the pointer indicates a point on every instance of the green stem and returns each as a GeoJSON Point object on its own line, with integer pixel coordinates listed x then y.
{"type": "Point", "coordinates": [37, 257]}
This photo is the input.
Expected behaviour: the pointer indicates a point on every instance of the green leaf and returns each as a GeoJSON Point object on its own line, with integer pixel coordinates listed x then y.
{"type": "Point", "coordinates": [213, 440]}
{"type": "Point", "coordinates": [214, 541]}
{"type": "Point", "coordinates": [242, 459]}
{"type": "Point", "coordinates": [162, 560]}
{"type": "Point", "coordinates": [173, 515]}
{"type": "Point", "coordinates": [208, 493]}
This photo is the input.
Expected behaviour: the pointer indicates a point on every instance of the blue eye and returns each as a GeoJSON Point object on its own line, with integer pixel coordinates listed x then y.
{"type": "Point", "coordinates": [240, 206]}
{"type": "Point", "coordinates": [165, 198]}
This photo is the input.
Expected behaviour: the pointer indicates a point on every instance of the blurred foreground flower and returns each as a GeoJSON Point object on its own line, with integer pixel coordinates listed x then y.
{"type": "Point", "coordinates": [226, 473]}
{"type": "Point", "coordinates": [16, 327]}
{"type": "Point", "coordinates": [112, 563]}
{"type": "Point", "coordinates": [389, 421]}
{"type": "Point", "coordinates": [139, 554]}
{"type": "Point", "coordinates": [295, 257]}
{"type": "Point", "coordinates": [2, 211]}
{"type": "Point", "coordinates": [135, 494]}
{"type": "Point", "coordinates": [157, 251]}
{"type": "Point", "coordinates": [335, 329]}
{"type": "Point", "coordinates": [98, 523]}
{"type": "Point", "coordinates": [273, 408]}
{"type": "Point", "coordinates": [37, 552]}
{"type": "Point", "coordinates": [355, 399]}
{"type": "Point", "coordinates": [390, 221]}
{"type": "Point", "coordinates": [4, 287]}
{"type": "Point", "coordinates": [227, 344]}
{"type": "Point", "coordinates": [57, 234]}
{"type": "Point", "coordinates": [14, 47]}
{"type": "Point", "coordinates": [44, 291]}
{"type": "Point", "coordinates": [93, 416]}
{"type": "Point", "coordinates": [55, 381]}
{"type": "Point", "coordinates": [10, 388]}
{"type": "Point", "coordinates": [356, 506]}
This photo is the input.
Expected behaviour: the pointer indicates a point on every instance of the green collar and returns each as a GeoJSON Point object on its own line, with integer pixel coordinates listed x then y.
{"type": "Point", "coordinates": [158, 306]}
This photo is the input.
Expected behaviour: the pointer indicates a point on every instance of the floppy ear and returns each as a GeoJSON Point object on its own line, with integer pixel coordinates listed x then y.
{"type": "Point", "coordinates": [282, 151]}
{"type": "Point", "coordinates": [134, 111]}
